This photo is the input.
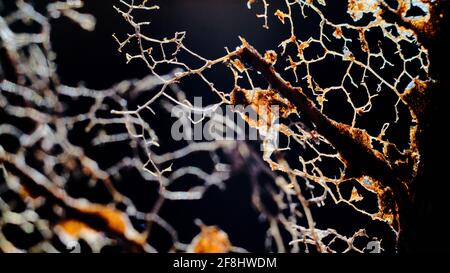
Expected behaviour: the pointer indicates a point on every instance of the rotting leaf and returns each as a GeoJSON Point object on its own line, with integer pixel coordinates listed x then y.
{"type": "Point", "coordinates": [211, 239]}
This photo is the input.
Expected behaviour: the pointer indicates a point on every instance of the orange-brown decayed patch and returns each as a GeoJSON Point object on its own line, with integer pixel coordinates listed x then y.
{"type": "Point", "coordinates": [281, 15]}
{"type": "Point", "coordinates": [355, 196]}
{"type": "Point", "coordinates": [116, 220]}
{"type": "Point", "coordinates": [271, 57]}
{"type": "Point", "coordinates": [210, 240]}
